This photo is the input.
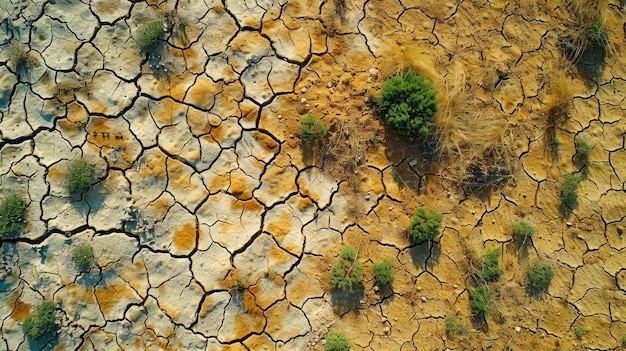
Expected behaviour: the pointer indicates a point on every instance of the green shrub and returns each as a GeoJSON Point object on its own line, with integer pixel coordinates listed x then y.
{"type": "Point", "coordinates": [336, 341]}
{"type": "Point", "coordinates": [83, 257]}
{"type": "Point", "coordinates": [522, 231]}
{"type": "Point", "coordinates": [408, 103]}
{"type": "Point", "coordinates": [41, 322]}
{"type": "Point", "coordinates": [12, 215]}
{"type": "Point", "coordinates": [80, 176]}
{"type": "Point", "coordinates": [347, 272]}
{"type": "Point", "coordinates": [384, 272]}
{"type": "Point", "coordinates": [491, 265]}
{"type": "Point", "coordinates": [312, 128]}
{"type": "Point", "coordinates": [579, 331]}
{"type": "Point", "coordinates": [624, 341]}
{"type": "Point", "coordinates": [451, 323]}
{"type": "Point", "coordinates": [583, 150]}
{"type": "Point", "coordinates": [425, 225]}
{"type": "Point", "coordinates": [479, 299]}
{"type": "Point", "coordinates": [150, 34]}
{"type": "Point", "coordinates": [569, 193]}
{"type": "Point", "coordinates": [539, 277]}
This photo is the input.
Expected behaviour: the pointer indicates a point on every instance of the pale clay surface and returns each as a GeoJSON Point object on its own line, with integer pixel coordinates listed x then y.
{"type": "Point", "coordinates": [204, 187]}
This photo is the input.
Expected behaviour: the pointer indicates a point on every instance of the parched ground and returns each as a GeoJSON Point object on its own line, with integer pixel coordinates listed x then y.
{"type": "Point", "coordinates": [214, 227]}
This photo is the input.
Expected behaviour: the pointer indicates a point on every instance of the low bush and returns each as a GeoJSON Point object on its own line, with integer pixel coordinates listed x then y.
{"type": "Point", "coordinates": [522, 231]}
{"type": "Point", "coordinates": [336, 341]}
{"type": "Point", "coordinates": [598, 34]}
{"type": "Point", "coordinates": [539, 277]}
{"type": "Point", "coordinates": [383, 272]}
{"type": "Point", "coordinates": [80, 176]}
{"type": "Point", "coordinates": [150, 34]}
{"type": "Point", "coordinates": [479, 300]}
{"type": "Point", "coordinates": [41, 322]}
{"type": "Point", "coordinates": [83, 257]}
{"type": "Point", "coordinates": [569, 193]}
{"type": "Point", "coordinates": [12, 215]}
{"type": "Point", "coordinates": [408, 102]}
{"type": "Point", "coordinates": [451, 323]}
{"type": "Point", "coordinates": [312, 128]}
{"type": "Point", "coordinates": [425, 225]}
{"type": "Point", "coordinates": [347, 272]}
{"type": "Point", "coordinates": [491, 264]}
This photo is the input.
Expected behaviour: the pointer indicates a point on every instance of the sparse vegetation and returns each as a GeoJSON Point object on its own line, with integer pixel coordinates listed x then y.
{"type": "Point", "coordinates": [12, 215]}
{"type": "Point", "coordinates": [598, 34]}
{"type": "Point", "coordinates": [425, 225]}
{"type": "Point", "coordinates": [623, 341]}
{"type": "Point", "coordinates": [41, 322]}
{"type": "Point", "coordinates": [408, 103]}
{"type": "Point", "coordinates": [336, 341]}
{"type": "Point", "coordinates": [539, 277]}
{"type": "Point", "coordinates": [569, 193]}
{"type": "Point", "coordinates": [491, 264]}
{"type": "Point", "coordinates": [450, 324]}
{"type": "Point", "coordinates": [19, 58]}
{"type": "Point", "coordinates": [83, 257]}
{"type": "Point", "coordinates": [150, 34]}
{"type": "Point", "coordinates": [583, 150]}
{"type": "Point", "coordinates": [554, 145]}
{"type": "Point", "coordinates": [312, 128]}
{"type": "Point", "coordinates": [579, 331]}
{"type": "Point", "coordinates": [347, 272]}
{"type": "Point", "coordinates": [80, 176]}
{"type": "Point", "coordinates": [383, 272]}
{"type": "Point", "coordinates": [522, 232]}
{"type": "Point", "coordinates": [479, 299]}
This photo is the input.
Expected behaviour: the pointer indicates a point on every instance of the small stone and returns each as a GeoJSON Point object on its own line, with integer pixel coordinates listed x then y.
{"type": "Point", "coordinates": [455, 286]}
{"type": "Point", "coordinates": [303, 90]}
{"type": "Point", "coordinates": [367, 197]}
{"type": "Point", "coordinates": [332, 90]}
{"type": "Point", "coordinates": [329, 85]}
{"type": "Point", "coordinates": [423, 298]}
{"type": "Point", "coordinates": [390, 208]}
{"type": "Point", "coordinates": [362, 302]}
{"type": "Point", "coordinates": [412, 163]}
{"type": "Point", "coordinates": [386, 330]}
{"type": "Point", "coordinates": [373, 72]}
{"type": "Point", "coordinates": [518, 329]}
{"type": "Point", "coordinates": [303, 100]}
{"type": "Point", "coordinates": [569, 224]}
{"type": "Point", "coordinates": [280, 116]}
{"type": "Point", "coordinates": [292, 136]}
{"type": "Point", "coordinates": [419, 288]}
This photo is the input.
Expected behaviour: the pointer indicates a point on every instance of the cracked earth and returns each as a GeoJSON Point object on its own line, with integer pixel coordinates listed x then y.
{"type": "Point", "coordinates": [214, 227]}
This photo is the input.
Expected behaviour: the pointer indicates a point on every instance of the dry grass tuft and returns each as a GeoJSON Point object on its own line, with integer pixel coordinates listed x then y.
{"type": "Point", "coordinates": [473, 136]}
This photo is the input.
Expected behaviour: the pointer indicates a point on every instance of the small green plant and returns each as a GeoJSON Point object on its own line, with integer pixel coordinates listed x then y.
{"type": "Point", "coordinates": [83, 257]}
{"type": "Point", "coordinates": [336, 341]}
{"type": "Point", "coordinates": [583, 150]}
{"type": "Point", "coordinates": [425, 225]}
{"type": "Point", "coordinates": [12, 215]}
{"type": "Point", "coordinates": [539, 277]}
{"type": "Point", "coordinates": [80, 176]}
{"type": "Point", "coordinates": [150, 34]}
{"type": "Point", "coordinates": [384, 272]}
{"type": "Point", "coordinates": [554, 145]}
{"type": "Point", "coordinates": [522, 231]}
{"type": "Point", "coordinates": [408, 103]}
{"type": "Point", "coordinates": [312, 128]}
{"type": "Point", "coordinates": [451, 324]}
{"type": "Point", "coordinates": [579, 331]}
{"type": "Point", "coordinates": [479, 300]}
{"type": "Point", "coordinates": [569, 193]}
{"type": "Point", "coordinates": [623, 341]}
{"type": "Point", "coordinates": [41, 322]}
{"type": "Point", "coordinates": [491, 265]}
{"type": "Point", "coordinates": [598, 34]}
{"type": "Point", "coordinates": [347, 272]}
